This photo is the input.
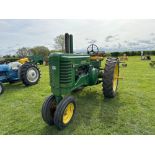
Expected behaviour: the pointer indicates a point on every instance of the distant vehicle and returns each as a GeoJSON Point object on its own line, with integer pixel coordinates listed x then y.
{"type": "Point", "coordinates": [37, 59]}
{"type": "Point", "coordinates": [13, 72]}
{"type": "Point", "coordinates": [145, 57]}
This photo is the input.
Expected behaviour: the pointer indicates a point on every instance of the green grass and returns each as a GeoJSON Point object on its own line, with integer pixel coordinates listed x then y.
{"type": "Point", "coordinates": [132, 111]}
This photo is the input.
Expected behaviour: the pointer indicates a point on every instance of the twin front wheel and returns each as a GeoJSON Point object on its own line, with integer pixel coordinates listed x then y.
{"type": "Point", "coordinates": [62, 113]}
{"type": "Point", "coordinates": [59, 114]}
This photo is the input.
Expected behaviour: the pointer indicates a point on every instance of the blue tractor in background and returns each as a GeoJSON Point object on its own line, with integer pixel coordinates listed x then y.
{"type": "Point", "coordinates": [13, 72]}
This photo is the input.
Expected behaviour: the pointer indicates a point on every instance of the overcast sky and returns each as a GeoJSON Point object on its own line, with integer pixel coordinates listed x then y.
{"type": "Point", "coordinates": [111, 35]}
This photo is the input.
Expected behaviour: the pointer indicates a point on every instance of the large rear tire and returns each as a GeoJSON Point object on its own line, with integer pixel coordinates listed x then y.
{"type": "Point", "coordinates": [48, 110]}
{"type": "Point", "coordinates": [29, 74]}
{"type": "Point", "coordinates": [1, 88]}
{"type": "Point", "coordinates": [110, 77]}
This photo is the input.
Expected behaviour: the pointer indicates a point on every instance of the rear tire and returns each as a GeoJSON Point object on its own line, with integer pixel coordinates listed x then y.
{"type": "Point", "coordinates": [1, 88]}
{"type": "Point", "coordinates": [110, 77]}
{"type": "Point", "coordinates": [65, 112]}
{"type": "Point", "coordinates": [29, 74]}
{"type": "Point", "coordinates": [48, 110]}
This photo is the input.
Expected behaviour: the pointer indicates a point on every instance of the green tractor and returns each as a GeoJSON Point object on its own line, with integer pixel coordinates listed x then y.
{"type": "Point", "coordinates": [37, 59]}
{"type": "Point", "coordinates": [69, 72]}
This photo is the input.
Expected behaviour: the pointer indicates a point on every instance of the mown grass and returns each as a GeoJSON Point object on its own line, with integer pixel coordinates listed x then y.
{"type": "Point", "coordinates": [132, 111]}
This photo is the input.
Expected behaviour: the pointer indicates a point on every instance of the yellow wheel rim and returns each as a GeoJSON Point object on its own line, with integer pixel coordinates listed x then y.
{"type": "Point", "coordinates": [115, 77]}
{"type": "Point", "coordinates": [68, 113]}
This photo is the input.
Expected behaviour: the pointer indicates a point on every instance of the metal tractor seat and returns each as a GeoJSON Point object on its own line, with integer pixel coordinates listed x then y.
{"type": "Point", "coordinates": [15, 65]}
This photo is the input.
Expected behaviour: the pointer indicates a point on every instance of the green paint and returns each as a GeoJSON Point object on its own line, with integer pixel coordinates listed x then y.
{"type": "Point", "coordinates": [65, 72]}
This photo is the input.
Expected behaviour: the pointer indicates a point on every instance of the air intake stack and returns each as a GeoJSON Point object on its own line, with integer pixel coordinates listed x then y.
{"type": "Point", "coordinates": [71, 43]}
{"type": "Point", "coordinates": [68, 43]}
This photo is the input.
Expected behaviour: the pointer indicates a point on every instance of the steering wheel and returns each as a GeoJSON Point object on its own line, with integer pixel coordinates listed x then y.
{"type": "Point", "coordinates": [92, 49]}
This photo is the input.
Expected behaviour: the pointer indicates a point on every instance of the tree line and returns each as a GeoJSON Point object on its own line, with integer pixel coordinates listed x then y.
{"type": "Point", "coordinates": [132, 53]}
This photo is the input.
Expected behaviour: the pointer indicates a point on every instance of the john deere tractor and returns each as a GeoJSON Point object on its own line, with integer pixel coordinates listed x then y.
{"type": "Point", "coordinates": [68, 72]}
{"type": "Point", "coordinates": [13, 72]}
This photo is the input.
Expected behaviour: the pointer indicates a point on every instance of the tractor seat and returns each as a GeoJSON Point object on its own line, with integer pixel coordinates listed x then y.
{"type": "Point", "coordinates": [15, 65]}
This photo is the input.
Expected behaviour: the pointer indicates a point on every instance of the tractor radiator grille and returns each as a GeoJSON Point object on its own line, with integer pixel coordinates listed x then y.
{"type": "Point", "coordinates": [65, 72]}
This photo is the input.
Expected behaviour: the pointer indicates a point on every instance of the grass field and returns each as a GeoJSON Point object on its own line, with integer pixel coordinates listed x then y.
{"type": "Point", "coordinates": [132, 111]}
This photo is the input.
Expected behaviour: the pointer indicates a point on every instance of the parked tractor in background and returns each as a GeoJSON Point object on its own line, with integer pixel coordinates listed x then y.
{"type": "Point", "coordinates": [13, 72]}
{"type": "Point", "coordinates": [37, 59]}
{"type": "Point", "coordinates": [68, 72]}
{"type": "Point", "coordinates": [123, 59]}
{"type": "Point", "coordinates": [23, 60]}
{"type": "Point", "coordinates": [145, 56]}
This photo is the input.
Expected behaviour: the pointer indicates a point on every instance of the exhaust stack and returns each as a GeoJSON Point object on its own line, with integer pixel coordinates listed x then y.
{"type": "Point", "coordinates": [71, 43]}
{"type": "Point", "coordinates": [68, 43]}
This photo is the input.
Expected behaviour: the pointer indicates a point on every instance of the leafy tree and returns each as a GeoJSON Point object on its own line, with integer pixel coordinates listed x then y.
{"type": "Point", "coordinates": [59, 42]}
{"type": "Point", "coordinates": [23, 52]}
{"type": "Point", "coordinates": [39, 50]}
{"type": "Point", "coordinates": [42, 51]}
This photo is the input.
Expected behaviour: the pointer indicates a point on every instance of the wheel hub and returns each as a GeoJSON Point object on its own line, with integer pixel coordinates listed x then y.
{"type": "Point", "coordinates": [32, 74]}
{"type": "Point", "coordinates": [68, 113]}
{"type": "Point", "coordinates": [115, 77]}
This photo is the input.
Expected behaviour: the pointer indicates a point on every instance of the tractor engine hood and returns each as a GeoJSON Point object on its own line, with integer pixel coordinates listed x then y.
{"type": "Point", "coordinates": [4, 68]}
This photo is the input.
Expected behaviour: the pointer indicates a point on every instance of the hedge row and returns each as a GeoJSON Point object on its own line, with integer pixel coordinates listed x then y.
{"type": "Point", "coordinates": [132, 53]}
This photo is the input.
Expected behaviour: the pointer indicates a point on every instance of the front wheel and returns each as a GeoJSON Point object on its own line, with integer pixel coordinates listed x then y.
{"type": "Point", "coordinates": [48, 110]}
{"type": "Point", "coordinates": [65, 112]}
{"type": "Point", "coordinates": [110, 78]}
{"type": "Point", "coordinates": [1, 88]}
